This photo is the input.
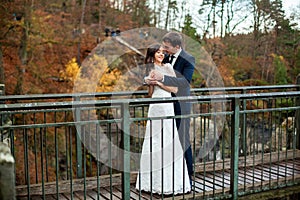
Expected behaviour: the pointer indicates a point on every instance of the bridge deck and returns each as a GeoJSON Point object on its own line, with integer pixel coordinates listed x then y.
{"type": "Point", "coordinates": [205, 183]}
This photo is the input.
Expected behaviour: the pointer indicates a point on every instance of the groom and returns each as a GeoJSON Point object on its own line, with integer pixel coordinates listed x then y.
{"type": "Point", "coordinates": [183, 64]}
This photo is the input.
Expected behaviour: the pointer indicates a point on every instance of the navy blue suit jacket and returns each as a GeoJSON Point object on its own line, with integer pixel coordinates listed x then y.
{"type": "Point", "coordinates": [184, 69]}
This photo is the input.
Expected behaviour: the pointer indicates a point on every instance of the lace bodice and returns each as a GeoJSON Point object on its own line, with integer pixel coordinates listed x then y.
{"type": "Point", "coordinates": [166, 69]}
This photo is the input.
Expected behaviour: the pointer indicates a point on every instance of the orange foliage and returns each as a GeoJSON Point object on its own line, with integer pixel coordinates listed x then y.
{"type": "Point", "coordinates": [94, 76]}
{"type": "Point", "coordinates": [53, 42]}
{"type": "Point", "coordinates": [235, 70]}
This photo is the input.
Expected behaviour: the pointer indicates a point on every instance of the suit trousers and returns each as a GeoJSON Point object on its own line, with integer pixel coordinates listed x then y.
{"type": "Point", "coordinates": [183, 127]}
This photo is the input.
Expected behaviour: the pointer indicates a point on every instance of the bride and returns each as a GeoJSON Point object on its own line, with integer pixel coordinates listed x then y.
{"type": "Point", "coordinates": [163, 169]}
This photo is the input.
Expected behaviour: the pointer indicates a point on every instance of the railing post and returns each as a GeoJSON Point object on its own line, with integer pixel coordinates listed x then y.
{"type": "Point", "coordinates": [78, 140]}
{"type": "Point", "coordinates": [243, 125]}
{"type": "Point", "coordinates": [297, 115]}
{"type": "Point", "coordinates": [7, 175]}
{"type": "Point", "coordinates": [126, 151]}
{"type": "Point", "coordinates": [2, 89]}
{"type": "Point", "coordinates": [235, 122]}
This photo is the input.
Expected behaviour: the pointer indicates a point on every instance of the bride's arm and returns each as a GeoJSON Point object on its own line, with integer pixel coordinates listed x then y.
{"type": "Point", "coordinates": [150, 90]}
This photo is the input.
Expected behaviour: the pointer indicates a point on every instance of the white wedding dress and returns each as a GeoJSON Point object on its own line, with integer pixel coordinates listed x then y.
{"type": "Point", "coordinates": [166, 165]}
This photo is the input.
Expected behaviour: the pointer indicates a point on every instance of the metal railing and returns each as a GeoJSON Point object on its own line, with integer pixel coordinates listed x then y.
{"type": "Point", "coordinates": [142, 93]}
{"type": "Point", "coordinates": [67, 146]}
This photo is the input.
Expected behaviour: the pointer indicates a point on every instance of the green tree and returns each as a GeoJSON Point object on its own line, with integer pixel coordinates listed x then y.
{"type": "Point", "coordinates": [188, 29]}
{"type": "Point", "coordinates": [286, 36]}
{"type": "Point", "coordinates": [280, 71]}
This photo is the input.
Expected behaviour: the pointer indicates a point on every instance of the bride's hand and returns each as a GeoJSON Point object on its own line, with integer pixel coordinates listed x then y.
{"type": "Point", "coordinates": [149, 80]}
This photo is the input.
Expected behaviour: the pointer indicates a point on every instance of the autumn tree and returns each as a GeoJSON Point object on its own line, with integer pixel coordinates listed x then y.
{"type": "Point", "coordinates": [1, 66]}
{"type": "Point", "coordinates": [24, 16]}
{"type": "Point", "coordinates": [10, 21]}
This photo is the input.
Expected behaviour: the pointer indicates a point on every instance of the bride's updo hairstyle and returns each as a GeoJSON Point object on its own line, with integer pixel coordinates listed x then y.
{"type": "Point", "coordinates": [149, 60]}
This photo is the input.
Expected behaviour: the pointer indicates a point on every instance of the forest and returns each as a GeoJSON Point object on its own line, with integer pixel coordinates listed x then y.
{"type": "Point", "coordinates": [44, 43]}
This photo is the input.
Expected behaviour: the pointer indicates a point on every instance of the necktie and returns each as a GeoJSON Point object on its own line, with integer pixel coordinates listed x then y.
{"type": "Point", "coordinates": [172, 58]}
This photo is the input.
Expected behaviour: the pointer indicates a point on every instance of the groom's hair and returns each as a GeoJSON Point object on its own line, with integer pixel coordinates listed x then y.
{"type": "Point", "coordinates": [174, 38]}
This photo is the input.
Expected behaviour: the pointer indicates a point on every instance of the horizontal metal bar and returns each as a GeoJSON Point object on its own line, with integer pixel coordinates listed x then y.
{"type": "Point", "coordinates": [141, 92]}
{"type": "Point", "coordinates": [60, 124]}
{"type": "Point", "coordinates": [269, 110]}
{"type": "Point", "coordinates": [113, 102]}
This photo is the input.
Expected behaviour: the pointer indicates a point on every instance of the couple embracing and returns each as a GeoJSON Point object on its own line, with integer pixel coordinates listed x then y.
{"type": "Point", "coordinates": [166, 164]}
